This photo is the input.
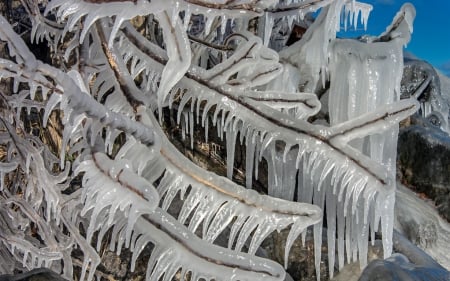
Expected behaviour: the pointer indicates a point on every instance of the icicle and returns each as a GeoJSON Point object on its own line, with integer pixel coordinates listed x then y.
{"type": "Point", "coordinates": [363, 239]}
{"type": "Point", "coordinates": [290, 20]}
{"type": "Point", "coordinates": [179, 53]}
{"type": "Point", "coordinates": [341, 233]}
{"type": "Point", "coordinates": [206, 126]}
{"type": "Point", "coordinates": [240, 220]}
{"type": "Point", "coordinates": [331, 230]}
{"type": "Point", "coordinates": [191, 128]}
{"type": "Point", "coordinates": [223, 25]}
{"type": "Point", "coordinates": [231, 146]}
{"type": "Point", "coordinates": [387, 221]}
{"type": "Point", "coordinates": [187, 17]}
{"type": "Point", "coordinates": [317, 248]}
{"type": "Point", "coordinates": [268, 26]}
{"type": "Point", "coordinates": [208, 24]}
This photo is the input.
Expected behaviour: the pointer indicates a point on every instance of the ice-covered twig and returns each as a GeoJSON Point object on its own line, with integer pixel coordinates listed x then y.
{"type": "Point", "coordinates": [421, 88]}
{"type": "Point", "coordinates": [178, 51]}
{"type": "Point", "coordinates": [17, 47]}
{"type": "Point", "coordinates": [374, 122]}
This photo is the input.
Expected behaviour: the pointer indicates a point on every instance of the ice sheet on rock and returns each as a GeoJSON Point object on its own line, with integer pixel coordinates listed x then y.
{"type": "Point", "coordinates": [409, 207]}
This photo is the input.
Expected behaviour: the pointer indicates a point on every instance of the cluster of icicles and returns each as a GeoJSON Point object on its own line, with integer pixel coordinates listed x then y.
{"type": "Point", "coordinates": [347, 168]}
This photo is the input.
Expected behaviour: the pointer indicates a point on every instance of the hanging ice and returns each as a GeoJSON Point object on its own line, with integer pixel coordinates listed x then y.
{"type": "Point", "coordinates": [363, 78]}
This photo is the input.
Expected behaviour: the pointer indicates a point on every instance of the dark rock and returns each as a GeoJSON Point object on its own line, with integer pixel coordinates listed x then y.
{"type": "Point", "coordinates": [409, 264]}
{"type": "Point", "coordinates": [38, 274]}
{"type": "Point", "coordinates": [398, 268]}
{"type": "Point", "coordinates": [416, 71]}
{"type": "Point", "coordinates": [301, 257]}
{"type": "Point", "coordinates": [434, 105]}
{"type": "Point", "coordinates": [424, 163]}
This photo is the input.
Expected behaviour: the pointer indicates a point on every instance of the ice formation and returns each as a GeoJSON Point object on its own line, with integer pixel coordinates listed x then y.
{"type": "Point", "coordinates": [250, 93]}
{"type": "Point", "coordinates": [364, 77]}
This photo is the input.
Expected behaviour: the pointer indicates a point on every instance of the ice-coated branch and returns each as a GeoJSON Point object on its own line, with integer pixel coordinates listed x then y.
{"type": "Point", "coordinates": [373, 122]}
{"type": "Point", "coordinates": [17, 47]}
{"type": "Point", "coordinates": [111, 190]}
{"type": "Point", "coordinates": [34, 72]}
{"type": "Point", "coordinates": [178, 249]}
{"type": "Point", "coordinates": [120, 78]}
{"type": "Point", "coordinates": [220, 193]}
{"type": "Point", "coordinates": [270, 120]}
{"type": "Point", "coordinates": [178, 51]}
{"type": "Point", "coordinates": [216, 201]}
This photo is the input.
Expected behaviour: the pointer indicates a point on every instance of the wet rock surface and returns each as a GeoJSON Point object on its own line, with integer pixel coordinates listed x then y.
{"type": "Point", "coordinates": [424, 162]}
{"type": "Point", "coordinates": [398, 268]}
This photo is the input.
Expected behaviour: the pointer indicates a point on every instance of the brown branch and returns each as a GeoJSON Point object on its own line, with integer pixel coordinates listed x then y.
{"type": "Point", "coordinates": [293, 7]}
{"type": "Point", "coordinates": [226, 6]}
{"type": "Point", "coordinates": [210, 45]}
{"type": "Point", "coordinates": [261, 99]}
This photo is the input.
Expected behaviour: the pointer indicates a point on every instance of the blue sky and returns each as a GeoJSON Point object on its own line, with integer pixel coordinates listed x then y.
{"type": "Point", "coordinates": [431, 37]}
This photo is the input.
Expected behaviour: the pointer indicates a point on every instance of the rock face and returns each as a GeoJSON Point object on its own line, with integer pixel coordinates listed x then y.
{"type": "Point", "coordinates": [424, 162]}
{"type": "Point", "coordinates": [398, 268]}
{"type": "Point", "coordinates": [420, 223]}
{"type": "Point", "coordinates": [434, 101]}
{"type": "Point", "coordinates": [409, 263]}
{"type": "Point", "coordinates": [38, 274]}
